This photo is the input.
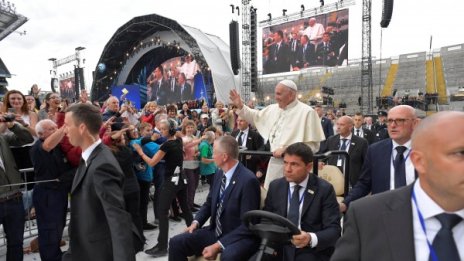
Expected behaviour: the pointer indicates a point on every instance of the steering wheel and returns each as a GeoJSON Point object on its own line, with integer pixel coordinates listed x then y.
{"type": "Point", "coordinates": [271, 227]}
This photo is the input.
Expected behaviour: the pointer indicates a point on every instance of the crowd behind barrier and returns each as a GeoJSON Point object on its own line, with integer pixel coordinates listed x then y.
{"type": "Point", "coordinates": [147, 163]}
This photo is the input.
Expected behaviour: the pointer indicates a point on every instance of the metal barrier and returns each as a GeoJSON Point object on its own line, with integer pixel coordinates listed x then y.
{"type": "Point", "coordinates": [30, 226]}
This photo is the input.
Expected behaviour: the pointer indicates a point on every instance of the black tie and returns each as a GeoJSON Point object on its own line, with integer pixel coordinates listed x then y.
{"type": "Point", "coordinates": [357, 133]}
{"type": "Point", "coordinates": [240, 141]}
{"type": "Point", "coordinates": [400, 168]}
{"type": "Point", "coordinates": [294, 210]}
{"type": "Point", "coordinates": [343, 147]}
{"type": "Point", "coordinates": [443, 243]}
{"type": "Point", "coordinates": [219, 207]}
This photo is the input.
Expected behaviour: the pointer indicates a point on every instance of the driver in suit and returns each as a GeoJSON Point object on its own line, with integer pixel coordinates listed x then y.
{"type": "Point", "coordinates": [309, 202]}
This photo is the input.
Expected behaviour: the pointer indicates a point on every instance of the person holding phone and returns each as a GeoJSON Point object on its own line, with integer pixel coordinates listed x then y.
{"type": "Point", "coordinates": [15, 103]}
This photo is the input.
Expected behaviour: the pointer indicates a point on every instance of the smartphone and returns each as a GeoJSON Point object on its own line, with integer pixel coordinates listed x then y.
{"type": "Point", "coordinates": [11, 110]}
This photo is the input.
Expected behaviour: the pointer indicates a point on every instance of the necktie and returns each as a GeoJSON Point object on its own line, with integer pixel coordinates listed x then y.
{"type": "Point", "coordinates": [357, 133]}
{"type": "Point", "coordinates": [343, 147]}
{"type": "Point", "coordinates": [294, 210]}
{"type": "Point", "coordinates": [219, 207]}
{"type": "Point", "coordinates": [240, 141]}
{"type": "Point", "coordinates": [400, 168]}
{"type": "Point", "coordinates": [443, 243]}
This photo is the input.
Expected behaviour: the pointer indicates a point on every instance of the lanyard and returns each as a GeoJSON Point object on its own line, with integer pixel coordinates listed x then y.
{"type": "Point", "coordinates": [433, 255]}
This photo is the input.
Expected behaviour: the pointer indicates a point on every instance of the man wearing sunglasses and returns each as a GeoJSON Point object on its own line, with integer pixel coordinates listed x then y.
{"type": "Point", "coordinates": [387, 165]}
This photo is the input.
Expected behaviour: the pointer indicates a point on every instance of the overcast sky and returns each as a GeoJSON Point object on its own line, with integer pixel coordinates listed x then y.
{"type": "Point", "coordinates": [56, 27]}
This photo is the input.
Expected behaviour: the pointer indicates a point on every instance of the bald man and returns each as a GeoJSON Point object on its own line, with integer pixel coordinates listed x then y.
{"type": "Point", "coordinates": [400, 224]}
{"type": "Point", "coordinates": [286, 122]}
{"type": "Point", "coordinates": [354, 145]}
{"type": "Point", "coordinates": [387, 165]}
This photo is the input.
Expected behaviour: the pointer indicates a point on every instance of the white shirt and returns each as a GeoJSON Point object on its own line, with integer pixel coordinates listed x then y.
{"type": "Point", "coordinates": [410, 171]}
{"type": "Point", "coordinates": [303, 186]}
{"type": "Point", "coordinates": [347, 142]}
{"type": "Point", "coordinates": [229, 175]}
{"type": "Point", "coordinates": [361, 133]}
{"type": "Point", "coordinates": [429, 209]}
{"type": "Point", "coordinates": [86, 153]}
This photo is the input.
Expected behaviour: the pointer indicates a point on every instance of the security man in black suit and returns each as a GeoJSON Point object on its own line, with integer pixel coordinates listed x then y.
{"type": "Point", "coordinates": [361, 131]}
{"type": "Point", "coordinates": [346, 141]}
{"type": "Point", "coordinates": [249, 139]}
{"type": "Point", "coordinates": [326, 123]}
{"type": "Point", "coordinates": [380, 127]}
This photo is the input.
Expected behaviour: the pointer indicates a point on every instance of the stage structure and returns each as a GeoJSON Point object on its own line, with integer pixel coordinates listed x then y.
{"type": "Point", "coordinates": [134, 54]}
{"type": "Point", "coordinates": [69, 84]}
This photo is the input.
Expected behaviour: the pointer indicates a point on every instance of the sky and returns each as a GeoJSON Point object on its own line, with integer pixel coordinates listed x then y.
{"type": "Point", "coordinates": [56, 27]}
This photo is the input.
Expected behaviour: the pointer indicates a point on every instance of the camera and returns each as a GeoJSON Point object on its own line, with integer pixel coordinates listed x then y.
{"type": "Point", "coordinates": [117, 115]}
{"type": "Point", "coordinates": [8, 118]}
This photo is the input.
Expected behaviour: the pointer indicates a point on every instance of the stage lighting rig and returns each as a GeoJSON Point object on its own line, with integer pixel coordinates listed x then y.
{"type": "Point", "coordinates": [270, 16]}
{"type": "Point", "coordinates": [322, 3]}
{"type": "Point", "coordinates": [284, 11]}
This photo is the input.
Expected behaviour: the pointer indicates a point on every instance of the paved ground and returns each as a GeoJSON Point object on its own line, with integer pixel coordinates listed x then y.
{"type": "Point", "coordinates": [174, 229]}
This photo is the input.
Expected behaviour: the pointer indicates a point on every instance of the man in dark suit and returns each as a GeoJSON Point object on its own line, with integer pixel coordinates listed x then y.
{"type": "Point", "coordinates": [361, 131]}
{"type": "Point", "coordinates": [381, 170]}
{"type": "Point", "coordinates": [174, 89]}
{"type": "Point", "coordinates": [100, 228]}
{"type": "Point", "coordinates": [11, 204]}
{"type": "Point", "coordinates": [249, 139]}
{"type": "Point", "coordinates": [400, 224]}
{"type": "Point", "coordinates": [309, 202]}
{"type": "Point", "coordinates": [306, 54]}
{"type": "Point", "coordinates": [326, 123]}
{"type": "Point", "coordinates": [185, 88]}
{"type": "Point", "coordinates": [380, 127]}
{"type": "Point", "coordinates": [326, 53]}
{"type": "Point", "coordinates": [235, 191]}
{"type": "Point", "coordinates": [294, 45]}
{"type": "Point", "coordinates": [354, 145]}
{"type": "Point", "coordinates": [279, 54]}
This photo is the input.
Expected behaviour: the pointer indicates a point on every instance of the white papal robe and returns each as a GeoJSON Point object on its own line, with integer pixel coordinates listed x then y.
{"type": "Point", "coordinates": [298, 122]}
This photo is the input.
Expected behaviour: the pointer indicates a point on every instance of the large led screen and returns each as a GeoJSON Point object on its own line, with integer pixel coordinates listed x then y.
{"type": "Point", "coordinates": [316, 41]}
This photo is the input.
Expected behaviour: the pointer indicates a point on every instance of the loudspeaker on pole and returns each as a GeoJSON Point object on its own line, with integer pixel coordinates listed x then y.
{"type": "Point", "coordinates": [234, 46]}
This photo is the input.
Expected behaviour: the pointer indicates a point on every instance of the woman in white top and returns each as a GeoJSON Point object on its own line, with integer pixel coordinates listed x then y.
{"type": "Point", "coordinates": [15, 102]}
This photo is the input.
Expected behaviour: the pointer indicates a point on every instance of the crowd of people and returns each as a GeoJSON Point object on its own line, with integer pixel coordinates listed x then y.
{"type": "Point", "coordinates": [107, 158]}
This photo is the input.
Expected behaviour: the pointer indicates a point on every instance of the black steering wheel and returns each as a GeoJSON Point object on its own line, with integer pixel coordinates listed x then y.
{"type": "Point", "coordinates": [269, 226]}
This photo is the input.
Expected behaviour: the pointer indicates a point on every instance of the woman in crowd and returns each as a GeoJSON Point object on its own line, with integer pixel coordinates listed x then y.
{"type": "Point", "coordinates": [15, 102]}
{"type": "Point", "coordinates": [143, 171]}
{"type": "Point", "coordinates": [116, 141]}
{"type": "Point", "coordinates": [148, 113]}
{"type": "Point", "coordinates": [52, 106]}
{"type": "Point", "coordinates": [186, 111]}
{"type": "Point", "coordinates": [191, 163]}
{"type": "Point", "coordinates": [174, 185]}
{"type": "Point", "coordinates": [207, 165]}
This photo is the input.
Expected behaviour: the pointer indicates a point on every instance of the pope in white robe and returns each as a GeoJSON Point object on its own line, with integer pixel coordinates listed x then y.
{"type": "Point", "coordinates": [287, 122]}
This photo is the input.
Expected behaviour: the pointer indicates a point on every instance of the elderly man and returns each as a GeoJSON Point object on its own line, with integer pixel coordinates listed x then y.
{"type": "Point", "coordinates": [112, 110]}
{"type": "Point", "coordinates": [346, 141]}
{"type": "Point", "coordinates": [423, 221]}
{"type": "Point", "coordinates": [284, 123]}
{"type": "Point", "coordinates": [387, 165]}
{"type": "Point", "coordinates": [314, 31]}
{"type": "Point", "coordinates": [234, 192]}
{"type": "Point", "coordinates": [50, 198]}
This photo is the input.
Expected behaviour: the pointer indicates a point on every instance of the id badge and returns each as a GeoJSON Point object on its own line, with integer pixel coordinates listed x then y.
{"type": "Point", "coordinates": [339, 162]}
{"type": "Point", "coordinates": [175, 180]}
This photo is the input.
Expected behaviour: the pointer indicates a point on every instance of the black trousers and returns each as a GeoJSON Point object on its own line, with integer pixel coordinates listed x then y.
{"type": "Point", "coordinates": [50, 207]}
{"type": "Point", "coordinates": [169, 191]}
{"type": "Point", "coordinates": [144, 199]}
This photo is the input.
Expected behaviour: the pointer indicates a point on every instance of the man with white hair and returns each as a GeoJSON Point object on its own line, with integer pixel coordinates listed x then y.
{"type": "Point", "coordinates": [50, 198]}
{"type": "Point", "coordinates": [282, 124]}
{"type": "Point", "coordinates": [314, 31]}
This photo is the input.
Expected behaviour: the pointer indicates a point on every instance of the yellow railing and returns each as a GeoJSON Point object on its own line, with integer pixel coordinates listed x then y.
{"type": "Point", "coordinates": [387, 88]}
{"type": "Point", "coordinates": [441, 83]}
{"type": "Point", "coordinates": [429, 77]}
